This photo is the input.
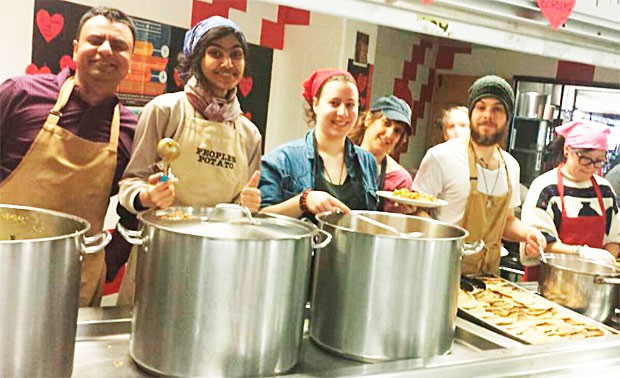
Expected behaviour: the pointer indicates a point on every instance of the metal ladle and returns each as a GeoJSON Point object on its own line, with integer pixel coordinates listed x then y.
{"type": "Point", "coordinates": [543, 258]}
{"type": "Point", "coordinates": [414, 234]}
{"type": "Point", "coordinates": [168, 149]}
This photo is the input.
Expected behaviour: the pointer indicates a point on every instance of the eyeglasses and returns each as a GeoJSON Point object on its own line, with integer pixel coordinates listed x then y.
{"type": "Point", "coordinates": [586, 161]}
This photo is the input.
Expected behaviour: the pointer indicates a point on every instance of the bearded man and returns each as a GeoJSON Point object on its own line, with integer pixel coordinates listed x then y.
{"type": "Point", "coordinates": [479, 179]}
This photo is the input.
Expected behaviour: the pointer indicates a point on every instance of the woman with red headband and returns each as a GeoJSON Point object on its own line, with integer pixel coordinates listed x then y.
{"type": "Point", "coordinates": [323, 171]}
{"type": "Point", "coordinates": [574, 208]}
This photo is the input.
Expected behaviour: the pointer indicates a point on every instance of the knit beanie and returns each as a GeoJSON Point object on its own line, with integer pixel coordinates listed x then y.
{"type": "Point", "coordinates": [492, 86]}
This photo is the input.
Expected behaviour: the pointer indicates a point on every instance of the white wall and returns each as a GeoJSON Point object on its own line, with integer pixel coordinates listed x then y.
{"type": "Point", "coordinates": [486, 60]}
{"type": "Point", "coordinates": [303, 52]}
{"type": "Point", "coordinates": [16, 37]}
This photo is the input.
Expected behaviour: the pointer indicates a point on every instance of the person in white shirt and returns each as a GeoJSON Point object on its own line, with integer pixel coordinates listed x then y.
{"type": "Point", "coordinates": [479, 179]}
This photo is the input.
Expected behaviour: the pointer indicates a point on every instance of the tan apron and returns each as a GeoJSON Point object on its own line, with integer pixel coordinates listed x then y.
{"type": "Point", "coordinates": [484, 222]}
{"type": "Point", "coordinates": [66, 173]}
{"type": "Point", "coordinates": [212, 168]}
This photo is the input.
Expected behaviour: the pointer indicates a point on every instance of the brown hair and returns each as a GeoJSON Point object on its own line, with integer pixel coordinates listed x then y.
{"type": "Point", "coordinates": [556, 148]}
{"type": "Point", "coordinates": [359, 130]}
{"type": "Point", "coordinates": [310, 115]}
{"type": "Point", "coordinates": [441, 122]}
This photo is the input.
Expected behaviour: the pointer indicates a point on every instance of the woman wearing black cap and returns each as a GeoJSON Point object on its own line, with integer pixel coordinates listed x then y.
{"type": "Point", "coordinates": [380, 130]}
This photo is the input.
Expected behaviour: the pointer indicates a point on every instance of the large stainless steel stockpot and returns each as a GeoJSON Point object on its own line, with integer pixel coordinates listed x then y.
{"type": "Point", "coordinates": [380, 296]}
{"type": "Point", "coordinates": [583, 285]}
{"type": "Point", "coordinates": [40, 253]}
{"type": "Point", "coordinates": [219, 292]}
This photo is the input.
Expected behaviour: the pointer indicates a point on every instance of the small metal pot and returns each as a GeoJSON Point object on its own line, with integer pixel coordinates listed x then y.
{"type": "Point", "coordinates": [583, 285]}
{"type": "Point", "coordinates": [40, 254]}
{"type": "Point", "coordinates": [380, 295]}
{"type": "Point", "coordinates": [220, 292]}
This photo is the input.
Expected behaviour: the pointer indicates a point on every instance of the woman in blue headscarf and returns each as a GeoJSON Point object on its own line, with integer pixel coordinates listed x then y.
{"type": "Point", "coordinates": [219, 147]}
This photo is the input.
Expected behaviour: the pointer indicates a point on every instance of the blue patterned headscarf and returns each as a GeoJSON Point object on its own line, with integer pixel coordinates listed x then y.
{"type": "Point", "coordinates": [194, 34]}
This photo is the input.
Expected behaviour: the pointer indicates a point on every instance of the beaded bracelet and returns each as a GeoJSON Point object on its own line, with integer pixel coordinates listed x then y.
{"type": "Point", "coordinates": [303, 201]}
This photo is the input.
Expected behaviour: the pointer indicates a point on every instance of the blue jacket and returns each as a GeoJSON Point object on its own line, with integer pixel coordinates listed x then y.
{"type": "Point", "coordinates": [289, 169]}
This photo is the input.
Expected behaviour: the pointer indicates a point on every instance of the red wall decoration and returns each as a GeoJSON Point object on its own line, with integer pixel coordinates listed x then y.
{"type": "Point", "coordinates": [556, 11]}
{"type": "Point", "coordinates": [572, 72]}
{"type": "Point", "coordinates": [271, 33]}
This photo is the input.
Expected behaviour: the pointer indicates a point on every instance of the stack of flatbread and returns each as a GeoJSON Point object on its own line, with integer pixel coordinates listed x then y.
{"type": "Point", "coordinates": [525, 315]}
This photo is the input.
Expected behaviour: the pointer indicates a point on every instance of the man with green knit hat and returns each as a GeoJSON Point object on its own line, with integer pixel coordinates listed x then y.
{"type": "Point", "coordinates": [479, 179]}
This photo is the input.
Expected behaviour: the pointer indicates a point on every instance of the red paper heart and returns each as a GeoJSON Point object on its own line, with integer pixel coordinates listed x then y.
{"type": "Point", "coordinates": [427, 1]}
{"type": "Point", "coordinates": [176, 75]}
{"type": "Point", "coordinates": [66, 61]}
{"type": "Point", "coordinates": [362, 82]}
{"type": "Point", "coordinates": [32, 69]}
{"type": "Point", "coordinates": [556, 11]}
{"type": "Point", "coordinates": [49, 26]}
{"type": "Point", "coordinates": [245, 85]}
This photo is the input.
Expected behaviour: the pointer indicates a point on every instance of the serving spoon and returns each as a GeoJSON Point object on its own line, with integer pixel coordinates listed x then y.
{"type": "Point", "coordinates": [394, 230]}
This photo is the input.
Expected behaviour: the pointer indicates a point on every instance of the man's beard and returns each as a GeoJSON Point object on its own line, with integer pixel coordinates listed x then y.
{"type": "Point", "coordinates": [488, 140]}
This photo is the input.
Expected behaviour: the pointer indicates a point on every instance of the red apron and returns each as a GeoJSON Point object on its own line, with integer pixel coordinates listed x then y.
{"type": "Point", "coordinates": [578, 230]}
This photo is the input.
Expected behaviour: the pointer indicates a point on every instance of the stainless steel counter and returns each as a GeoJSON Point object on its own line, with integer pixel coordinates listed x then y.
{"type": "Point", "coordinates": [102, 350]}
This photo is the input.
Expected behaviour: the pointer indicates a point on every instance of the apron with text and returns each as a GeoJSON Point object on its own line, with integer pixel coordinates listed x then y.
{"type": "Point", "coordinates": [66, 173]}
{"type": "Point", "coordinates": [580, 230]}
{"type": "Point", "coordinates": [212, 168]}
{"type": "Point", "coordinates": [484, 222]}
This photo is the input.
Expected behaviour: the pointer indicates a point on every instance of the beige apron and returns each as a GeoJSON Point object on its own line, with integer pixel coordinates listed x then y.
{"type": "Point", "coordinates": [66, 173]}
{"type": "Point", "coordinates": [484, 222]}
{"type": "Point", "coordinates": [212, 168]}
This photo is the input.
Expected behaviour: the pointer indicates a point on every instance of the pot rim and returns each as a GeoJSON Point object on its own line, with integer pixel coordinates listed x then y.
{"type": "Point", "coordinates": [310, 229]}
{"type": "Point", "coordinates": [551, 256]}
{"type": "Point", "coordinates": [59, 214]}
{"type": "Point", "coordinates": [399, 215]}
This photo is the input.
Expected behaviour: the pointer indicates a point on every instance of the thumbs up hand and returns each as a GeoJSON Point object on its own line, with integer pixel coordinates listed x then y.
{"type": "Point", "coordinates": [250, 194]}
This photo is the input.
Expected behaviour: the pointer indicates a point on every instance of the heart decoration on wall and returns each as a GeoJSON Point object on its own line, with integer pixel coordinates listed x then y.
{"type": "Point", "coordinates": [32, 69]}
{"type": "Point", "coordinates": [362, 82]}
{"type": "Point", "coordinates": [556, 11]}
{"type": "Point", "coordinates": [427, 1]}
{"type": "Point", "coordinates": [245, 85]}
{"type": "Point", "coordinates": [49, 26]}
{"type": "Point", "coordinates": [66, 61]}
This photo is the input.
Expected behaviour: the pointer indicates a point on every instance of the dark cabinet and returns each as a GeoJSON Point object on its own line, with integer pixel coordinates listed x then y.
{"type": "Point", "coordinates": [529, 139]}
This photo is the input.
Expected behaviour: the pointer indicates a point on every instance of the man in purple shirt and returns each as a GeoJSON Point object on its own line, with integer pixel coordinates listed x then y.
{"type": "Point", "coordinates": [65, 139]}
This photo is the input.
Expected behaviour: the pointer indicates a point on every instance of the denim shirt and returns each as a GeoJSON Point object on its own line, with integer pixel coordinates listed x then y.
{"type": "Point", "coordinates": [289, 169]}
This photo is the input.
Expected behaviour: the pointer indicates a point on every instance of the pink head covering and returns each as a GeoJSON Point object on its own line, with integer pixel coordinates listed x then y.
{"type": "Point", "coordinates": [315, 81]}
{"type": "Point", "coordinates": [584, 134]}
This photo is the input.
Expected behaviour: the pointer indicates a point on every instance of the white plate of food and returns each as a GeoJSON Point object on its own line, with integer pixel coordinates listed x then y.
{"type": "Point", "coordinates": [407, 197]}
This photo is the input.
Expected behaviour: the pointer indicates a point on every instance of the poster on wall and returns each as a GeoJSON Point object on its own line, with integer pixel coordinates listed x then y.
{"type": "Point", "coordinates": [253, 90]}
{"type": "Point", "coordinates": [148, 76]}
{"type": "Point", "coordinates": [363, 76]}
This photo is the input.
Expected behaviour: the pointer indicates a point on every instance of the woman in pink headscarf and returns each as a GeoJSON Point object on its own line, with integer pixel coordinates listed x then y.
{"type": "Point", "coordinates": [574, 207]}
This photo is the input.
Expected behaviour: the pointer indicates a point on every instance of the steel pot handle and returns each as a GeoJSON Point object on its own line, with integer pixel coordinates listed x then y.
{"type": "Point", "coordinates": [131, 236]}
{"type": "Point", "coordinates": [98, 242]}
{"type": "Point", "coordinates": [473, 248]}
{"type": "Point", "coordinates": [607, 280]}
{"type": "Point", "coordinates": [324, 242]}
